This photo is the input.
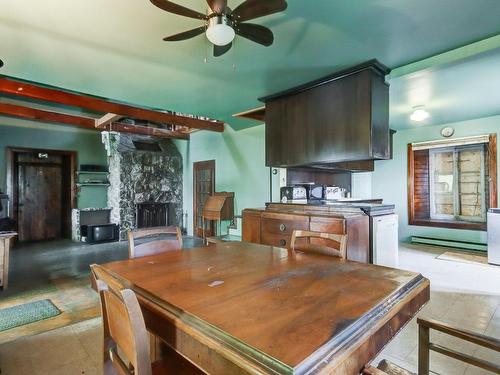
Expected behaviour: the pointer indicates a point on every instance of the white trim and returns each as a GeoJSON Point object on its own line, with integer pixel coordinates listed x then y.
{"type": "Point", "coordinates": [451, 142]}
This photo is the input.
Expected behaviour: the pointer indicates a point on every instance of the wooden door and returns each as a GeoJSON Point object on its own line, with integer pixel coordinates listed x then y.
{"type": "Point", "coordinates": [204, 186]}
{"type": "Point", "coordinates": [40, 195]}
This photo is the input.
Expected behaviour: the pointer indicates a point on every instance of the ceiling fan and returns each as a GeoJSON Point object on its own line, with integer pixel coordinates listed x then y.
{"type": "Point", "coordinates": [222, 24]}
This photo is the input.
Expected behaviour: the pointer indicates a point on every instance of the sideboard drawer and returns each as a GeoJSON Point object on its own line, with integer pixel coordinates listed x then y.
{"type": "Point", "coordinates": [283, 224]}
{"type": "Point", "coordinates": [279, 240]}
{"type": "Point", "coordinates": [328, 225]}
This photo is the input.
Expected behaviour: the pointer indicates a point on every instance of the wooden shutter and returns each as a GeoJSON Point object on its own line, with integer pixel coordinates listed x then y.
{"type": "Point", "coordinates": [418, 185]}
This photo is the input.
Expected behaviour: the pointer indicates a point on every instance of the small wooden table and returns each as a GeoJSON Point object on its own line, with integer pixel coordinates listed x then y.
{"type": "Point", "coordinates": [5, 241]}
{"type": "Point", "coordinates": [240, 308]}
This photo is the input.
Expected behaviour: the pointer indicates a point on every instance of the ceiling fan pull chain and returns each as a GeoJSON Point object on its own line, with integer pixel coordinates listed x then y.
{"type": "Point", "coordinates": [235, 45]}
{"type": "Point", "coordinates": [207, 46]}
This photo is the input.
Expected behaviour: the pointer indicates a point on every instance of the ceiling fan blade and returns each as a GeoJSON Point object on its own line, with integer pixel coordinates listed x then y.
{"type": "Point", "coordinates": [251, 9]}
{"type": "Point", "coordinates": [218, 6]}
{"type": "Point", "coordinates": [256, 33]}
{"type": "Point", "coordinates": [186, 34]}
{"type": "Point", "coordinates": [178, 9]}
{"type": "Point", "coordinates": [220, 50]}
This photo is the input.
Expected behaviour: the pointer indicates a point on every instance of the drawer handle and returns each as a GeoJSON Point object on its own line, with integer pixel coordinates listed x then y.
{"type": "Point", "coordinates": [282, 243]}
{"type": "Point", "coordinates": [282, 227]}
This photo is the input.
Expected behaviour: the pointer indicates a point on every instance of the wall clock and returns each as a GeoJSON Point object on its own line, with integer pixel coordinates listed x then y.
{"type": "Point", "coordinates": [447, 132]}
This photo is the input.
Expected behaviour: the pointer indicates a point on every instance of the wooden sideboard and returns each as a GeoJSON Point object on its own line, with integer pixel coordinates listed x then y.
{"type": "Point", "coordinates": [5, 241]}
{"type": "Point", "coordinates": [275, 224]}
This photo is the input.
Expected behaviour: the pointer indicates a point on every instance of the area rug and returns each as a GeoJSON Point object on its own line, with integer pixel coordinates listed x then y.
{"type": "Point", "coordinates": [464, 257]}
{"type": "Point", "coordinates": [26, 313]}
{"type": "Point", "coordinates": [74, 298]}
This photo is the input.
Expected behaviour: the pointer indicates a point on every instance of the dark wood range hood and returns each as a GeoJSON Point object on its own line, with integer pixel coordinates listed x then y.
{"type": "Point", "coordinates": [338, 122]}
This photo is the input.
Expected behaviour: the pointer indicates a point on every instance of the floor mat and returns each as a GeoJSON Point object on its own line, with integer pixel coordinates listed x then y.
{"type": "Point", "coordinates": [26, 313]}
{"type": "Point", "coordinates": [464, 257]}
{"type": "Point", "coordinates": [73, 297]}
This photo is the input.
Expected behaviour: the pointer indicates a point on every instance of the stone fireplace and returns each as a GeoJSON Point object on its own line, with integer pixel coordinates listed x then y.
{"type": "Point", "coordinates": [145, 176]}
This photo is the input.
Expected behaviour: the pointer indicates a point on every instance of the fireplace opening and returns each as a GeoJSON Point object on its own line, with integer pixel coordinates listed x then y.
{"type": "Point", "coordinates": [152, 214]}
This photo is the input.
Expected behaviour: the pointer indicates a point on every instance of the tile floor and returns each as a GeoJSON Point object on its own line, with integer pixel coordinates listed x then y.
{"type": "Point", "coordinates": [467, 295]}
{"type": "Point", "coordinates": [463, 295]}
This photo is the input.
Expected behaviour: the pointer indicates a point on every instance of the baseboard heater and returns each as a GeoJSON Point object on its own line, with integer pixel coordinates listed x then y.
{"type": "Point", "coordinates": [449, 243]}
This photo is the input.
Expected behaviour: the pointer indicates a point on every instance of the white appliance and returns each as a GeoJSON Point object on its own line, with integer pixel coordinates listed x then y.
{"type": "Point", "coordinates": [385, 241]}
{"type": "Point", "coordinates": [494, 236]}
{"type": "Point", "coordinates": [335, 193]}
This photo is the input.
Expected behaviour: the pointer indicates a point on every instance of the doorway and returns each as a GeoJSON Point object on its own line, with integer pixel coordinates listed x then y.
{"type": "Point", "coordinates": [203, 187]}
{"type": "Point", "coordinates": [41, 184]}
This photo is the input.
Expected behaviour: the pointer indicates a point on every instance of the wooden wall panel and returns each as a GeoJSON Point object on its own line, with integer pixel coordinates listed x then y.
{"type": "Point", "coordinates": [421, 193]}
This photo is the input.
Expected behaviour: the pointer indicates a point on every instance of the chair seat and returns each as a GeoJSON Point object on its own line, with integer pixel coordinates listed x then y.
{"type": "Point", "coordinates": [173, 366]}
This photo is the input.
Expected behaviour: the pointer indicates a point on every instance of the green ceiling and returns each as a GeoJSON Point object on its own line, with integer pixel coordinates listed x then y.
{"type": "Point", "coordinates": [113, 48]}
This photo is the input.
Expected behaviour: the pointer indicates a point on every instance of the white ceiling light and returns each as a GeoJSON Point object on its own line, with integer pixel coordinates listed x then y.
{"type": "Point", "coordinates": [219, 31]}
{"type": "Point", "coordinates": [419, 114]}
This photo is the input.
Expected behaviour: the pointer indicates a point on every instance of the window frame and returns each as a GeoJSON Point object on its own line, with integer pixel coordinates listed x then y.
{"type": "Point", "coordinates": [420, 218]}
{"type": "Point", "coordinates": [456, 192]}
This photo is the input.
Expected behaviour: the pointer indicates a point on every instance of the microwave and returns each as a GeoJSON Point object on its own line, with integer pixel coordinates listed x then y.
{"type": "Point", "coordinates": [100, 233]}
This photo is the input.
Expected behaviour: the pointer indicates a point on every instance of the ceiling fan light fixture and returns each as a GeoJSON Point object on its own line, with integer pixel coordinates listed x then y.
{"type": "Point", "coordinates": [219, 31]}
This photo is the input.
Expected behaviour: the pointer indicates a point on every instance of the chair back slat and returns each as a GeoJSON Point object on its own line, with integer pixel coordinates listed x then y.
{"type": "Point", "coordinates": [153, 241]}
{"type": "Point", "coordinates": [119, 324]}
{"type": "Point", "coordinates": [319, 243]}
{"type": "Point", "coordinates": [124, 327]}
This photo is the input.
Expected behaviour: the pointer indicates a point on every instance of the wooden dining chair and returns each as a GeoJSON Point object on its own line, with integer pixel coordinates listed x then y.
{"type": "Point", "coordinates": [338, 242]}
{"type": "Point", "coordinates": [152, 241]}
{"type": "Point", "coordinates": [126, 340]}
{"type": "Point", "coordinates": [425, 346]}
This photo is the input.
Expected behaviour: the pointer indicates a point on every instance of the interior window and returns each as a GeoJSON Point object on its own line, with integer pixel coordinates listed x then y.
{"type": "Point", "coordinates": [457, 186]}
{"type": "Point", "coordinates": [452, 183]}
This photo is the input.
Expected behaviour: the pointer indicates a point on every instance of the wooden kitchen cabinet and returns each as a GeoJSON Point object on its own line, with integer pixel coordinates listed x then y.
{"type": "Point", "coordinates": [342, 118]}
{"type": "Point", "coordinates": [274, 226]}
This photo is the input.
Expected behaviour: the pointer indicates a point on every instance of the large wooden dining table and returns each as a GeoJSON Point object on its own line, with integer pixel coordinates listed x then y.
{"type": "Point", "coordinates": [241, 308]}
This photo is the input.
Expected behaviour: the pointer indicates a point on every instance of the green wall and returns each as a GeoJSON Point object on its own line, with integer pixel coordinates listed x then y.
{"type": "Point", "coordinates": [389, 180]}
{"type": "Point", "coordinates": [20, 133]}
{"type": "Point", "coordinates": [239, 165]}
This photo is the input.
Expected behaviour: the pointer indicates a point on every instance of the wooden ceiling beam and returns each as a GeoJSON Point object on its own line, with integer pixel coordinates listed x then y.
{"type": "Point", "coordinates": [147, 130]}
{"type": "Point", "coordinates": [45, 116]}
{"type": "Point", "coordinates": [30, 90]}
{"type": "Point", "coordinates": [33, 114]}
{"type": "Point", "coordinates": [107, 119]}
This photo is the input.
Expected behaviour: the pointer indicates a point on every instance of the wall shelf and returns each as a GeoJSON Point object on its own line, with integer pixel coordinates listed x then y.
{"type": "Point", "coordinates": [79, 184]}
{"type": "Point", "coordinates": [88, 172]}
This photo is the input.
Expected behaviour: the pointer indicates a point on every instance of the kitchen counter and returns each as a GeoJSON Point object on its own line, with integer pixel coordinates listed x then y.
{"type": "Point", "coordinates": [371, 207]}
{"type": "Point", "coordinates": [275, 224]}
{"type": "Point", "coordinates": [334, 201]}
